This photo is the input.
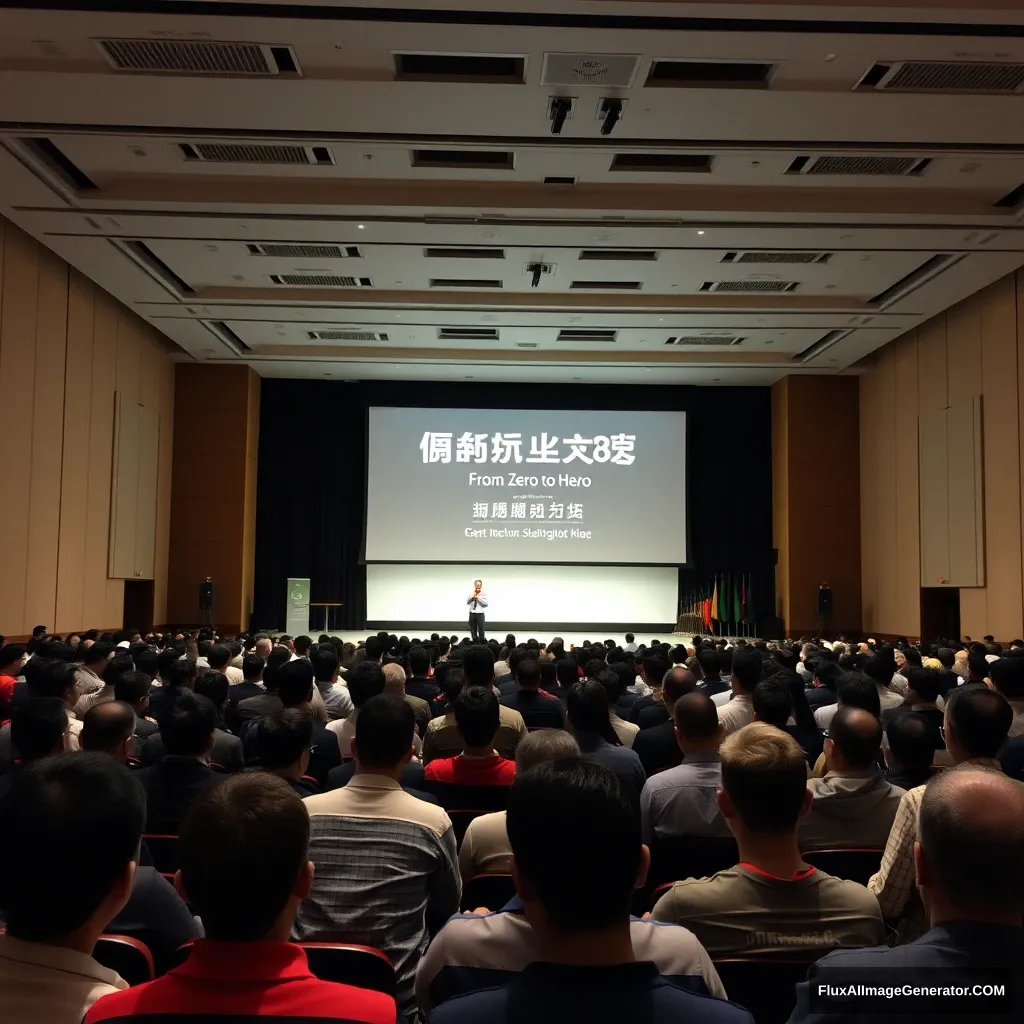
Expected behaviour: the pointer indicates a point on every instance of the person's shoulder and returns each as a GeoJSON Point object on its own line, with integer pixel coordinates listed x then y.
{"type": "Point", "coordinates": [350, 1003]}
{"type": "Point", "coordinates": [713, 889]}
{"type": "Point", "coordinates": [118, 1003]}
{"type": "Point", "coordinates": [688, 1004]}
{"type": "Point", "coordinates": [510, 717]}
{"type": "Point", "coordinates": [869, 956]}
{"type": "Point", "coordinates": [441, 769]}
{"type": "Point", "coordinates": [846, 891]}
{"type": "Point", "coordinates": [487, 1004]}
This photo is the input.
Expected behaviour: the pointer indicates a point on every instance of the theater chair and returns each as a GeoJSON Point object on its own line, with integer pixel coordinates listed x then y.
{"type": "Point", "coordinates": [854, 864]}
{"type": "Point", "coordinates": [766, 987]}
{"type": "Point", "coordinates": [489, 890]}
{"type": "Point", "coordinates": [363, 966]}
{"type": "Point", "coordinates": [127, 956]}
{"type": "Point", "coordinates": [164, 851]}
{"type": "Point", "coordinates": [461, 819]}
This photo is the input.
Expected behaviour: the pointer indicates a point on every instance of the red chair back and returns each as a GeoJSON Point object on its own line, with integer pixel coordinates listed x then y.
{"type": "Point", "coordinates": [126, 956]}
{"type": "Point", "coordinates": [362, 966]}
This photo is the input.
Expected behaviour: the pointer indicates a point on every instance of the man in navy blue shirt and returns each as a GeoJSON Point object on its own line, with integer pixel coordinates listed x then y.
{"type": "Point", "coordinates": [560, 813]}
{"type": "Point", "coordinates": [539, 709]}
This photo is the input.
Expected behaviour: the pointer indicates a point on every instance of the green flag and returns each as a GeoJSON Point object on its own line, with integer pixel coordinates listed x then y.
{"type": "Point", "coordinates": [737, 605]}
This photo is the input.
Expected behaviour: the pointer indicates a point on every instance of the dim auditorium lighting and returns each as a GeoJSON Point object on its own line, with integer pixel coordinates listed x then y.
{"type": "Point", "coordinates": [699, 232]}
{"type": "Point", "coordinates": [361, 226]}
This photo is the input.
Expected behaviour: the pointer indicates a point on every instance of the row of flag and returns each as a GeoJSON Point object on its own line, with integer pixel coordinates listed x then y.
{"type": "Point", "coordinates": [727, 600]}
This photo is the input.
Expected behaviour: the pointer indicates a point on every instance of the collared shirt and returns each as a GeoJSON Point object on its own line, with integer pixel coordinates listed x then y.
{"type": "Point", "coordinates": [345, 730]}
{"type": "Point", "coordinates": [683, 801]}
{"type": "Point", "coordinates": [620, 759]}
{"type": "Point", "coordinates": [478, 603]}
{"type": "Point", "coordinates": [626, 731]}
{"type": "Point", "coordinates": [736, 714]}
{"type": "Point", "coordinates": [269, 981]}
{"type": "Point", "coordinates": [336, 699]}
{"type": "Point", "coordinates": [471, 771]}
{"type": "Point", "coordinates": [485, 847]}
{"type": "Point", "coordinates": [41, 984]}
{"type": "Point", "coordinates": [895, 881]}
{"type": "Point", "coordinates": [477, 951]}
{"type": "Point", "coordinates": [386, 872]}
{"type": "Point", "coordinates": [443, 738]}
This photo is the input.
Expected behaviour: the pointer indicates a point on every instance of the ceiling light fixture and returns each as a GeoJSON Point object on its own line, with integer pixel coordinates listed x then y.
{"type": "Point", "coordinates": [361, 226]}
{"type": "Point", "coordinates": [701, 232]}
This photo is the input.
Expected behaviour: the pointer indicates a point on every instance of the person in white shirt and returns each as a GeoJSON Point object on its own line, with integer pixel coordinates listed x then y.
{"type": "Point", "coordinates": [477, 602]}
{"type": "Point", "coordinates": [88, 803]}
{"type": "Point", "coordinates": [631, 646]}
{"type": "Point", "coordinates": [746, 674]}
{"type": "Point", "coordinates": [326, 667]}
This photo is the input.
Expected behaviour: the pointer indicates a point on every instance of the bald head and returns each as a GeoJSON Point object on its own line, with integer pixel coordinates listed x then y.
{"type": "Point", "coordinates": [677, 682]}
{"type": "Point", "coordinates": [855, 737]}
{"type": "Point", "coordinates": [394, 680]}
{"type": "Point", "coordinates": [263, 648]}
{"type": "Point", "coordinates": [108, 728]}
{"type": "Point", "coordinates": [972, 844]}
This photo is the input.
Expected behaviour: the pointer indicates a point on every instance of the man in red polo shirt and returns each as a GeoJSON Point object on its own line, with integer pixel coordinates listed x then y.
{"type": "Point", "coordinates": [245, 868]}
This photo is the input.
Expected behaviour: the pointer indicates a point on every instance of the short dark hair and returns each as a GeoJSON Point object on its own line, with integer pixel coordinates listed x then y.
{"type": "Point", "coordinates": [912, 739]}
{"type": "Point", "coordinates": [528, 673]}
{"type": "Point", "coordinates": [281, 738]}
{"type": "Point", "coordinates": [566, 671]}
{"type": "Point", "coordinates": [107, 725]}
{"type": "Point", "coordinates": [655, 667]}
{"type": "Point", "coordinates": [630, 638]}
{"type": "Point", "coordinates": [925, 682]}
{"type": "Point", "coordinates": [981, 718]}
{"type": "Point", "coordinates": [764, 772]}
{"type": "Point", "coordinates": [252, 668]}
{"type": "Point", "coordinates": [187, 722]}
{"type": "Point", "coordinates": [249, 834]}
{"type": "Point", "coordinates": [773, 703]}
{"type": "Point", "coordinates": [384, 731]}
{"type": "Point", "coordinates": [559, 813]}
{"type": "Point", "coordinates": [132, 687]}
{"type": "Point", "coordinates": [746, 668]}
{"type": "Point", "coordinates": [375, 648]}
{"type": "Point", "coordinates": [325, 662]}
{"type": "Point", "coordinates": [828, 673]}
{"type": "Point", "coordinates": [83, 805]}
{"type": "Point", "coordinates": [180, 673]}
{"type": "Point", "coordinates": [214, 685]}
{"type": "Point", "coordinates": [50, 678]}
{"type": "Point", "coordinates": [118, 665]}
{"type": "Point", "coordinates": [218, 656]}
{"type": "Point", "coordinates": [858, 740]}
{"type": "Point", "coordinates": [419, 661]}
{"type": "Point", "coordinates": [478, 665]}
{"type": "Point", "coordinates": [302, 644]}
{"type": "Point", "coordinates": [696, 716]}
{"type": "Point", "coordinates": [587, 708]}
{"type": "Point", "coordinates": [365, 680]}
{"type": "Point", "coordinates": [295, 682]}
{"type": "Point", "coordinates": [37, 726]}
{"type": "Point", "coordinates": [477, 714]}
{"type": "Point", "coordinates": [1007, 675]}
{"type": "Point", "coordinates": [856, 690]}
{"type": "Point", "coordinates": [99, 651]}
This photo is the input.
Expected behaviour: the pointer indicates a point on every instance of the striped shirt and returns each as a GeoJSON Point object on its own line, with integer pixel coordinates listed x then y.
{"type": "Point", "coordinates": [386, 872]}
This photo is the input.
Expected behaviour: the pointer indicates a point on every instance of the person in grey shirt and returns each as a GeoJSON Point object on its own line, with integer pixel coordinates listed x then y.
{"type": "Point", "coordinates": [477, 602]}
{"type": "Point", "coordinates": [587, 709]}
{"type": "Point", "coordinates": [683, 801]}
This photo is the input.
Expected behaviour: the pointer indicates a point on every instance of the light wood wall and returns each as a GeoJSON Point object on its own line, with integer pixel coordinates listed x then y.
{"type": "Point", "coordinates": [65, 347]}
{"type": "Point", "coordinates": [972, 349]}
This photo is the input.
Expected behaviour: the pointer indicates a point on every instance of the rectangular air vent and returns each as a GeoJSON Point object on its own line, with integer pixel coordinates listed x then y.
{"type": "Point", "coordinates": [149, 261]}
{"type": "Point", "coordinates": [304, 251]}
{"type": "Point", "coordinates": [740, 287]}
{"type": "Point", "coordinates": [1012, 199]}
{"type": "Point", "coordinates": [892, 166]}
{"type": "Point", "coordinates": [341, 335]}
{"type": "Point", "coordinates": [50, 154]}
{"type": "Point", "coordinates": [464, 282]}
{"type": "Point", "coordinates": [608, 69]}
{"type": "Point", "coordinates": [455, 252]}
{"type": "Point", "coordinates": [467, 334]}
{"type": "Point", "coordinates": [555, 179]}
{"type": "Point", "coordinates": [321, 281]}
{"type": "Point", "coordinates": [776, 257]}
{"type": "Point", "coordinates": [228, 336]}
{"type": "Point", "coordinates": [465, 159]}
{"type": "Point", "coordinates": [704, 340]}
{"type": "Point", "coordinates": [708, 74]}
{"type": "Point", "coordinates": [585, 334]}
{"type": "Point", "coordinates": [619, 255]}
{"type": "Point", "coordinates": [198, 57]}
{"type": "Point", "coordinates": [662, 163]}
{"type": "Point", "coordinates": [255, 153]}
{"type": "Point", "coordinates": [617, 286]}
{"type": "Point", "coordinates": [942, 76]}
{"type": "Point", "coordinates": [526, 344]}
{"type": "Point", "coordinates": [458, 67]}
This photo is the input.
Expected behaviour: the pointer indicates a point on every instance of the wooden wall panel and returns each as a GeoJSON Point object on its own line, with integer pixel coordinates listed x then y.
{"type": "Point", "coordinates": [907, 504]}
{"type": "Point", "coordinates": [780, 494]}
{"type": "Point", "coordinates": [933, 365]}
{"type": "Point", "coordinates": [963, 348]}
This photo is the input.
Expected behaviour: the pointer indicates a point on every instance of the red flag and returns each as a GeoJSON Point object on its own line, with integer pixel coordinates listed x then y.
{"type": "Point", "coordinates": [743, 598]}
{"type": "Point", "coordinates": [707, 612]}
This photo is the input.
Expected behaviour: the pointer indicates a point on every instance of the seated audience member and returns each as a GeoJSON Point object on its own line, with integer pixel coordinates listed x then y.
{"type": "Point", "coordinates": [855, 690]}
{"type": "Point", "coordinates": [566, 677]}
{"type": "Point", "coordinates": [38, 729]}
{"type": "Point", "coordinates": [683, 801]}
{"type": "Point", "coordinates": [326, 669]}
{"type": "Point", "coordinates": [83, 808]}
{"type": "Point", "coordinates": [653, 667]}
{"type": "Point", "coordinates": [657, 746]}
{"type": "Point", "coordinates": [176, 678]}
{"type": "Point", "coordinates": [909, 749]}
{"type": "Point", "coordinates": [508, 682]}
{"type": "Point", "coordinates": [880, 669]}
{"type": "Point", "coordinates": [710, 660]}
{"type": "Point", "coordinates": [47, 677]}
{"type": "Point", "coordinates": [269, 701]}
{"type": "Point", "coordinates": [419, 684]}
{"type": "Point", "coordinates": [394, 682]}
{"type": "Point", "coordinates": [108, 728]}
{"type": "Point", "coordinates": [773, 705]}
{"type": "Point", "coordinates": [852, 804]}
{"type": "Point", "coordinates": [251, 685]}
{"type": "Point", "coordinates": [485, 847]}
{"type": "Point", "coordinates": [295, 686]}
{"type": "Point", "coordinates": [366, 680]}
{"type": "Point", "coordinates": [250, 835]}
{"type": "Point", "coordinates": [219, 660]}
{"type": "Point", "coordinates": [976, 723]}
{"type": "Point", "coordinates": [443, 739]}
{"type": "Point", "coordinates": [771, 902]}
{"type": "Point", "coordinates": [281, 743]}
{"type": "Point", "coordinates": [587, 709]}
{"type": "Point", "coordinates": [572, 952]}
{"type": "Point", "coordinates": [746, 674]}
{"type": "Point", "coordinates": [133, 689]}
{"type": "Point", "coordinates": [967, 869]}
{"type": "Point", "coordinates": [923, 691]}
{"type": "Point", "coordinates": [186, 730]}
{"type": "Point", "coordinates": [539, 710]}
{"type": "Point", "coordinates": [1011, 757]}
{"type": "Point", "coordinates": [89, 675]}
{"type": "Point", "coordinates": [1007, 677]}
{"type": "Point", "coordinates": [824, 684]}
{"type": "Point", "coordinates": [615, 686]}
{"type": "Point", "coordinates": [386, 863]}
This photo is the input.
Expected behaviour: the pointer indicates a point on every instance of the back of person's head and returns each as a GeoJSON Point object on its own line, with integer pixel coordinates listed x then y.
{"type": "Point", "coordinates": [924, 683]}
{"type": "Point", "coordinates": [977, 667]}
{"type": "Point", "coordinates": [977, 720]}
{"type": "Point", "coordinates": [295, 682]}
{"type": "Point", "coordinates": [302, 645]}
{"type": "Point", "coordinates": [857, 690]}
{"type": "Point", "coordinates": [375, 648]}
{"type": "Point", "coordinates": [856, 736]}
{"type": "Point", "coordinates": [108, 728]}
{"type": "Point", "coordinates": [561, 812]}
{"type": "Point", "coordinates": [419, 661]}
{"type": "Point", "coordinates": [696, 718]}
{"type": "Point", "coordinates": [249, 834]}
{"type": "Point", "coordinates": [213, 685]}
{"type": "Point", "coordinates": [38, 727]}
{"type": "Point", "coordinates": [612, 682]}
{"type": "Point", "coordinates": [746, 669]}
{"type": "Point", "coordinates": [528, 673]}
{"type": "Point", "coordinates": [764, 779]}
{"type": "Point", "coordinates": [516, 656]}
{"type": "Point", "coordinates": [707, 659]}
{"type": "Point", "coordinates": [630, 638]}
{"type": "Point", "coordinates": [132, 687]}
{"type": "Point", "coordinates": [187, 723]}
{"type": "Point", "coordinates": [384, 731]}
{"type": "Point", "coordinates": [828, 674]}
{"type": "Point", "coordinates": [724, 657]}
{"type": "Point", "coordinates": [946, 657]}
{"type": "Point", "coordinates": [252, 668]}
{"type": "Point", "coordinates": [116, 667]}
{"type": "Point", "coordinates": [587, 708]}
{"type": "Point", "coordinates": [655, 666]}
{"type": "Point", "coordinates": [181, 674]}
{"type": "Point", "coordinates": [912, 740]}
{"type": "Point", "coordinates": [55, 651]}
{"type": "Point", "coordinates": [772, 702]}
{"type": "Point", "coordinates": [365, 680]}
{"type": "Point", "coordinates": [478, 665]}
{"type": "Point", "coordinates": [218, 657]}
{"type": "Point", "coordinates": [283, 737]}
{"type": "Point", "coordinates": [84, 806]}
{"type": "Point", "coordinates": [46, 678]}
{"type": "Point", "coordinates": [1007, 675]}
{"type": "Point", "coordinates": [477, 715]}
{"type": "Point", "coordinates": [97, 654]}
{"type": "Point", "coordinates": [677, 682]}
{"type": "Point", "coordinates": [544, 745]}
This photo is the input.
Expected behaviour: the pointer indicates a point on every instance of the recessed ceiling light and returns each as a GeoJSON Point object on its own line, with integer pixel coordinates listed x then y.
{"type": "Point", "coordinates": [360, 226]}
{"type": "Point", "coordinates": [700, 232]}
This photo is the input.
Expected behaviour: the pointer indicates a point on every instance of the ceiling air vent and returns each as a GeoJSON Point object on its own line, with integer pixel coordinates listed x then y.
{"type": "Point", "coordinates": [892, 166]}
{"type": "Point", "coordinates": [458, 67]}
{"type": "Point", "coordinates": [946, 76]}
{"type": "Point", "coordinates": [304, 251]}
{"type": "Point", "coordinates": [464, 282]}
{"type": "Point", "coordinates": [526, 344]}
{"type": "Point", "coordinates": [465, 159]}
{"type": "Point", "coordinates": [708, 74]}
{"type": "Point", "coordinates": [321, 281]}
{"type": "Point", "coordinates": [557, 179]}
{"type": "Point", "coordinates": [467, 334]}
{"type": "Point", "coordinates": [255, 153]}
{"type": "Point", "coordinates": [228, 336]}
{"type": "Point", "coordinates": [339, 335]}
{"type": "Point", "coordinates": [454, 252]}
{"type": "Point", "coordinates": [50, 154]}
{"type": "Point", "coordinates": [932, 267]}
{"type": "Point", "coordinates": [741, 287]}
{"type": "Point", "coordinates": [191, 57]}
{"type": "Point", "coordinates": [826, 341]}
{"type": "Point", "coordinates": [1012, 198]}
{"type": "Point", "coordinates": [776, 257]}
{"type": "Point", "coordinates": [704, 340]}
{"type": "Point", "coordinates": [660, 163]}
{"type": "Point", "coordinates": [618, 286]}
{"type": "Point", "coordinates": [608, 69]}
{"type": "Point", "coordinates": [619, 255]}
{"type": "Point", "coordinates": [155, 267]}
{"type": "Point", "coordinates": [583, 334]}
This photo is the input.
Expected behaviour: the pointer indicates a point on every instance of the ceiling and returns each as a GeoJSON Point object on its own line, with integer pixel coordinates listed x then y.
{"type": "Point", "coordinates": [517, 190]}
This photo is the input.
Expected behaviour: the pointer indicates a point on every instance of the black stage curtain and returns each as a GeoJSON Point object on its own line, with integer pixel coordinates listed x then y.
{"type": "Point", "coordinates": [312, 478]}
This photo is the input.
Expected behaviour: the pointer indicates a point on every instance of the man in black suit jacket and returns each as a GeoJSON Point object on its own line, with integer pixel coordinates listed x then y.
{"type": "Point", "coordinates": [171, 784]}
{"type": "Point", "coordinates": [419, 684]}
{"type": "Point", "coordinates": [658, 747]}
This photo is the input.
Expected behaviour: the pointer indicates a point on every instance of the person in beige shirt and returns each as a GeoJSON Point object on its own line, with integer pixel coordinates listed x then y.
{"type": "Point", "coordinates": [485, 847]}
{"type": "Point", "coordinates": [771, 902]}
{"type": "Point", "coordinates": [746, 674]}
{"type": "Point", "coordinates": [89, 804]}
{"type": "Point", "coordinates": [366, 680]}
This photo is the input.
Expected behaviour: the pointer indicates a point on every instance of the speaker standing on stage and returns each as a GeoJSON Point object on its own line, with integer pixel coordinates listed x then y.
{"type": "Point", "coordinates": [477, 602]}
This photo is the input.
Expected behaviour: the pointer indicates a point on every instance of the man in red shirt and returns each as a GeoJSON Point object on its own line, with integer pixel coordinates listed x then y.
{"type": "Point", "coordinates": [245, 868]}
